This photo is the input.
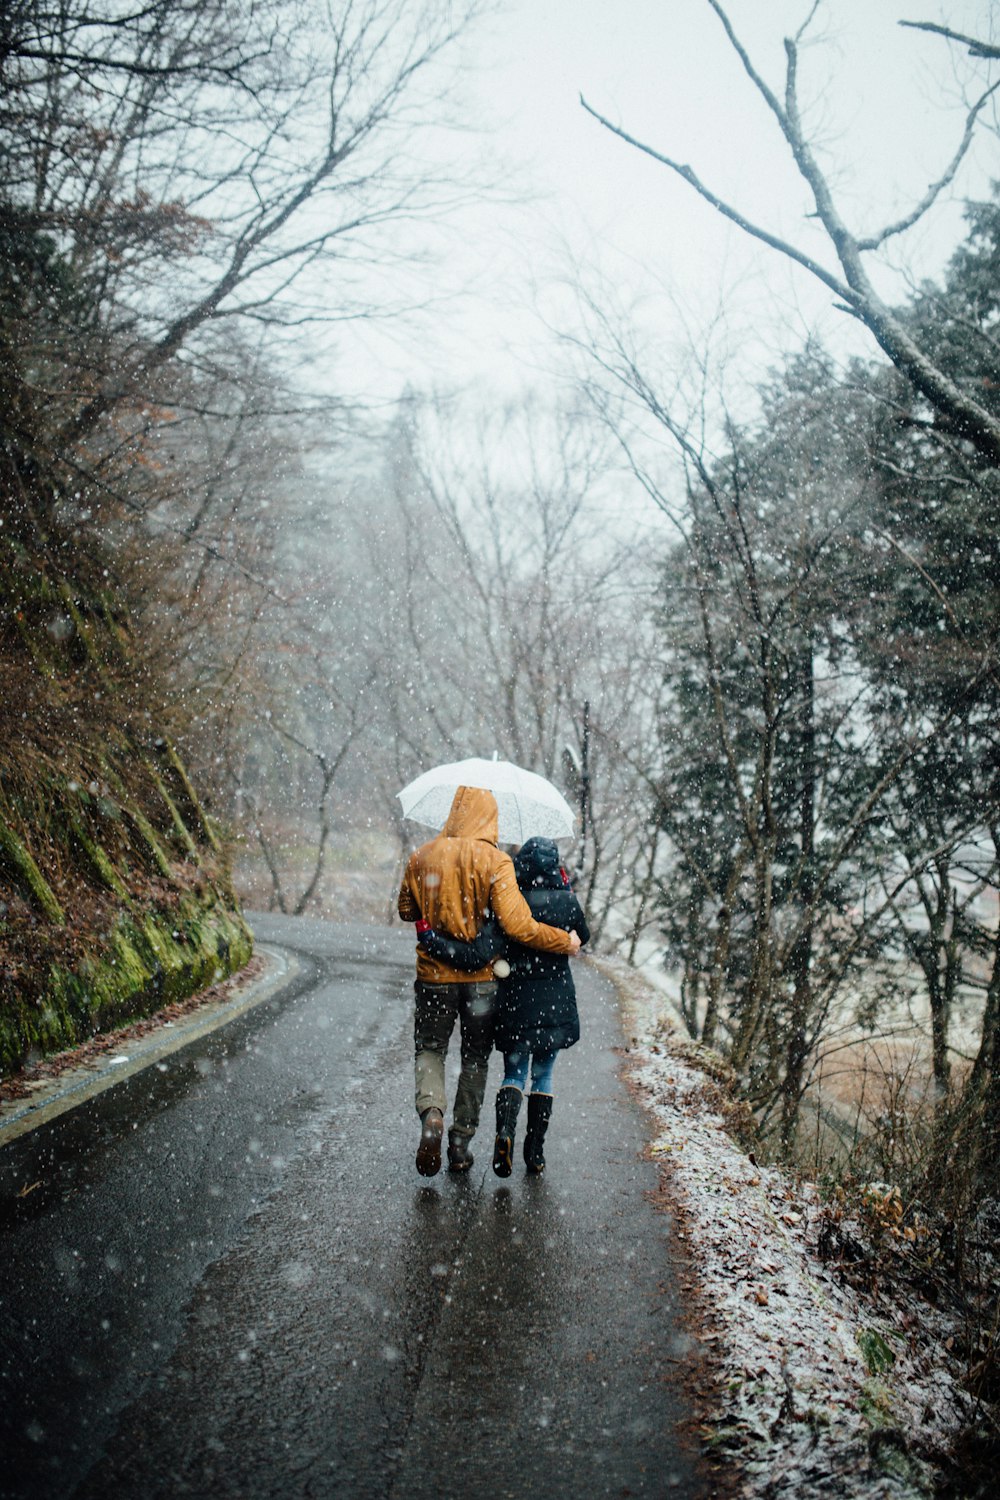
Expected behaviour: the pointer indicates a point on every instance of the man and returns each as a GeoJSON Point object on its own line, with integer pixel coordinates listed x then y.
{"type": "Point", "coordinates": [451, 883]}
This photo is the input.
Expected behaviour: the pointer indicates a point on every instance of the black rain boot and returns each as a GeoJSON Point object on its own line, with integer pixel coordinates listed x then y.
{"type": "Point", "coordinates": [539, 1115]}
{"type": "Point", "coordinates": [460, 1158]}
{"type": "Point", "coordinates": [508, 1105]}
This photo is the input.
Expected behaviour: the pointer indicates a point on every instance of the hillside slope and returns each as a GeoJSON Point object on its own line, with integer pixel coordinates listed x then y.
{"type": "Point", "coordinates": [115, 891]}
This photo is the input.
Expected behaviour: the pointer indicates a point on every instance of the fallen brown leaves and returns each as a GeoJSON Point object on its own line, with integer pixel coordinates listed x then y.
{"type": "Point", "coordinates": [19, 1085]}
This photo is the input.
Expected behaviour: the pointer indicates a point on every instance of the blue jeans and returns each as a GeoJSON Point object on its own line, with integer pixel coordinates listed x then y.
{"type": "Point", "coordinates": [515, 1070]}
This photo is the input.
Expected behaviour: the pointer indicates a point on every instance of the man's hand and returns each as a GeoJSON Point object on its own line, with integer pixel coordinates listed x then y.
{"type": "Point", "coordinates": [574, 944]}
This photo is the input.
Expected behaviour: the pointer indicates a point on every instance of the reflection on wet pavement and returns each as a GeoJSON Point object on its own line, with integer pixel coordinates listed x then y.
{"type": "Point", "coordinates": [328, 1323]}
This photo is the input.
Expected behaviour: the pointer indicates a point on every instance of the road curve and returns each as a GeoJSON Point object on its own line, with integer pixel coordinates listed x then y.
{"type": "Point", "coordinates": [223, 1277]}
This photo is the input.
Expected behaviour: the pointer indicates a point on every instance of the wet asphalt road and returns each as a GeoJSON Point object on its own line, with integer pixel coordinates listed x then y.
{"type": "Point", "coordinates": [226, 1278]}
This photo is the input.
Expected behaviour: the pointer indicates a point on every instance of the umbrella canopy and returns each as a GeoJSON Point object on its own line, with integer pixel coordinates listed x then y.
{"type": "Point", "coordinates": [528, 806]}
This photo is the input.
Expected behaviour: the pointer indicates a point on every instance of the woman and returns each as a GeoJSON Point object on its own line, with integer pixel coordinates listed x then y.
{"type": "Point", "coordinates": [536, 1003]}
{"type": "Point", "coordinates": [536, 1010]}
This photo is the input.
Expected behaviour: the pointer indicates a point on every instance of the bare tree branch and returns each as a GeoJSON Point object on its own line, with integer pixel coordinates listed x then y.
{"type": "Point", "coordinates": [966, 416]}
{"type": "Point", "coordinates": [872, 242]}
{"type": "Point", "coordinates": [976, 47]}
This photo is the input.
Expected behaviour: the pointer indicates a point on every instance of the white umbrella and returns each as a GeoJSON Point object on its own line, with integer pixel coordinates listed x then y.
{"type": "Point", "coordinates": [528, 806]}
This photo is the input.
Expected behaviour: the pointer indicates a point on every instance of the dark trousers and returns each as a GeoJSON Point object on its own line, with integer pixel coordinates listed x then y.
{"type": "Point", "coordinates": [438, 1006]}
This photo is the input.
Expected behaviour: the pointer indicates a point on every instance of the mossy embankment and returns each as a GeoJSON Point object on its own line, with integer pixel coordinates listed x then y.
{"type": "Point", "coordinates": [115, 889]}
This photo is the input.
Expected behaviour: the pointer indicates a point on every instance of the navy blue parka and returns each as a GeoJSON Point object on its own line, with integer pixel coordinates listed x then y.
{"type": "Point", "coordinates": [536, 1005]}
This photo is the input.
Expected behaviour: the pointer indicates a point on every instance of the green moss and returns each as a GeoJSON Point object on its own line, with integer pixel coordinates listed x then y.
{"type": "Point", "coordinates": [150, 960]}
{"type": "Point", "coordinates": [152, 844]}
{"type": "Point", "coordinates": [181, 829]}
{"type": "Point", "coordinates": [98, 860]}
{"type": "Point", "coordinates": [28, 876]}
{"type": "Point", "coordinates": [189, 796]}
{"type": "Point", "coordinates": [90, 811]}
{"type": "Point", "coordinates": [145, 842]}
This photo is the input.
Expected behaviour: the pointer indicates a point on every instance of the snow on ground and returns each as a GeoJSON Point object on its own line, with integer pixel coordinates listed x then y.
{"type": "Point", "coordinates": [822, 1390]}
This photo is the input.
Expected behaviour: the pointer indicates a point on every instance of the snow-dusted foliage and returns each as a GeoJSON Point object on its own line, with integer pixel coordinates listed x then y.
{"type": "Point", "coordinates": [819, 1389]}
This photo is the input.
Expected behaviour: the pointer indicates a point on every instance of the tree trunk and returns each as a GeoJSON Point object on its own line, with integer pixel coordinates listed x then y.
{"type": "Point", "coordinates": [757, 995]}
{"type": "Point", "coordinates": [800, 958]}
{"type": "Point", "coordinates": [940, 985]}
{"type": "Point", "coordinates": [646, 892]}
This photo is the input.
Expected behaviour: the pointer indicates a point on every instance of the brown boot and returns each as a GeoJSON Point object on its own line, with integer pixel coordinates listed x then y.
{"type": "Point", "coordinates": [429, 1150]}
{"type": "Point", "coordinates": [460, 1158]}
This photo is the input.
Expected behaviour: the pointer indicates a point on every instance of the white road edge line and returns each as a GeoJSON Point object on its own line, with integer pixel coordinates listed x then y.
{"type": "Point", "coordinates": [150, 1049]}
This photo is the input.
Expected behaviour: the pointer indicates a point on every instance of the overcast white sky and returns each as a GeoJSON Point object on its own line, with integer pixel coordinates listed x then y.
{"type": "Point", "coordinates": [885, 101]}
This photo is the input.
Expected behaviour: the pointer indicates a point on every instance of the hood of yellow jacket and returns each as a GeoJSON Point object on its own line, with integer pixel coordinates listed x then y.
{"type": "Point", "coordinates": [473, 815]}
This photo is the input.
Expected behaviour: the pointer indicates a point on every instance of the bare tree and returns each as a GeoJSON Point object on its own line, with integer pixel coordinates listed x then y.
{"type": "Point", "coordinates": [957, 411]}
{"type": "Point", "coordinates": [325, 765]}
{"type": "Point", "coordinates": [185, 186]}
{"type": "Point", "coordinates": [171, 170]}
{"type": "Point", "coordinates": [494, 601]}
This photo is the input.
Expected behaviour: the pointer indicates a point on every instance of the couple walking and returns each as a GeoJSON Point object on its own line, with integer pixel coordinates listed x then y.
{"type": "Point", "coordinates": [470, 902]}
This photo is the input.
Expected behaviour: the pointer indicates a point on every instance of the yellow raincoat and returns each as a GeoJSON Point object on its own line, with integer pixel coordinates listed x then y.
{"type": "Point", "coordinates": [456, 878]}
